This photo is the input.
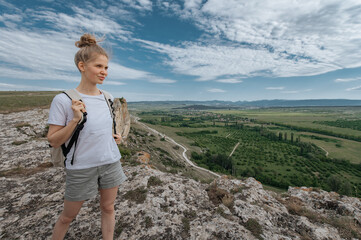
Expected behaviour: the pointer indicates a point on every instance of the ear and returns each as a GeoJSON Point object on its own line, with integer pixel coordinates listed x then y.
{"type": "Point", "coordinates": [81, 66]}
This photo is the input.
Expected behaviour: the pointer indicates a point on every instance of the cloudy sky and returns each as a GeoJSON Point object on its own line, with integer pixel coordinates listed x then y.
{"type": "Point", "coordinates": [189, 49]}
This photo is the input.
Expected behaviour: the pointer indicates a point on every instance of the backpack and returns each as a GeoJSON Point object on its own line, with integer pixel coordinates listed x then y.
{"type": "Point", "coordinates": [58, 155]}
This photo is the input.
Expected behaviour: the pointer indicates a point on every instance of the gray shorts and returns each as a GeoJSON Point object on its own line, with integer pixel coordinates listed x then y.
{"type": "Point", "coordinates": [83, 184]}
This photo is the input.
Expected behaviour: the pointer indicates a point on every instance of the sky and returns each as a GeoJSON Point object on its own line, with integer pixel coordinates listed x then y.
{"type": "Point", "coordinates": [232, 50]}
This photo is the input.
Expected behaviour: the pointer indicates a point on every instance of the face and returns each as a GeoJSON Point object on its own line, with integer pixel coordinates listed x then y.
{"type": "Point", "coordinates": [96, 70]}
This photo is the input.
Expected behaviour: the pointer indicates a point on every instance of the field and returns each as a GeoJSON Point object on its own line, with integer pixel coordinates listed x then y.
{"type": "Point", "coordinates": [19, 101]}
{"type": "Point", "coordinates": [279, 147]}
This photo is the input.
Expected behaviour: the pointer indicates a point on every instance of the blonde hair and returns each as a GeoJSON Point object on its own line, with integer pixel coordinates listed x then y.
{"type": "Point", "coordinates": [89, 49]}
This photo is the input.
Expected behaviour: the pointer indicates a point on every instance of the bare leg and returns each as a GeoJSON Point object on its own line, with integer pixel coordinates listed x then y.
{"type": "Point", "coordinates": [107, 199]}
{"type": "Point", "coordinates": [71, 209]}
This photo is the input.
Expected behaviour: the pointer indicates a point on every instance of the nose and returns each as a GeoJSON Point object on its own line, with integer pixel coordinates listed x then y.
{"type": "Point", "coordinates": [104, 72]}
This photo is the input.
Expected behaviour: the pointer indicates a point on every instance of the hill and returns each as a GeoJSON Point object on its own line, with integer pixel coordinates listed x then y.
{"type": "Point", "coordinates": [162, 198]}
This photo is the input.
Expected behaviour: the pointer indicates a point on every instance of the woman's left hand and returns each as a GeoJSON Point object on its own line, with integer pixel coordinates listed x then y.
{"type": "Point", "coordinates": [117, 138]}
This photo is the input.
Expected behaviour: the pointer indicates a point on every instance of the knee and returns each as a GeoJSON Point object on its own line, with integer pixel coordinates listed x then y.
{"type": "Point", "coordinates": [64, 219]}
{"type": "Point", "coordinates": [107, 208]}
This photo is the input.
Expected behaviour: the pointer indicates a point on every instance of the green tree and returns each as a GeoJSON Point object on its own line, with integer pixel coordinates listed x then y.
{"type": "Point", "coordinates": [334, 183]}
{"type": "Point", "coordinates": [346, 188]}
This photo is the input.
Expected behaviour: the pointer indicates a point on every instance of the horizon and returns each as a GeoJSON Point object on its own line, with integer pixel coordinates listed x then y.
{"type": "Point", "coordinates": [188, 49]}
{"type": "Point", "coordinates": [209, 100]}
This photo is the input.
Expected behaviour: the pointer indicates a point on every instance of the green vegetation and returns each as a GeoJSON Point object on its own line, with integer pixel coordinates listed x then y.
{"type": "Point", "coordinates": [254, 227]}
{"type": "Point", "coordinates": [18, 142]}
{"type": "Point", "coordinates": [13, 101]}
{"type": "Point", "coordinates": [352, 124]}
{"type": "Point", "coordinates": [278, 153]}
{"type": "Point", "coordinates": [154, 181]}
{"type": "Point", "coordinates": [137, 195]}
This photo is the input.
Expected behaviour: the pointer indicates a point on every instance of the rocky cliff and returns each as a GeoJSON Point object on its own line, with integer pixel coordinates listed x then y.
{"type": "Point", "coordinates": [154, 204]}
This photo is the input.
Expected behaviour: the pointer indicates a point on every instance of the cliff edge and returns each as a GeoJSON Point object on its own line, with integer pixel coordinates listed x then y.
{"type": "Point", "coordinates": [156, 204]}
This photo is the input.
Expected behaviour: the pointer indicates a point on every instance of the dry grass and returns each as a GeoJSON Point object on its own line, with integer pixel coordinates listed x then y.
{"type": "Point", "coordinates": [137, 195]}
{"type": "Point", "coordinates": [20, 171]}
{"type": "Point", "coordinates": [254, 227]}
{"type": "Point", "coordinates": [154, 181]}
{"type": "Point", "coordinates": [217, 196]}
{"type": "Point", "coordinates": [347, 227]}
{"type": "Point", "coordinates": [15, 101]}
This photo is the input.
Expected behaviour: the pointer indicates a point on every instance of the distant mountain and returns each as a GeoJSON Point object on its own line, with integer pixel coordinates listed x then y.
{"type": "Point", "coordinates": [260, 103]}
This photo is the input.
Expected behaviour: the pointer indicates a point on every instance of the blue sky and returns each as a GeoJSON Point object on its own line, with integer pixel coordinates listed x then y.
{"type": "Point", "coordinates": [188, 50]}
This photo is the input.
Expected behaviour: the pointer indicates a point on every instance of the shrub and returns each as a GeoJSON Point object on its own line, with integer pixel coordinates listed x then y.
{"type": "Point", "coordinates": [217, 196]}
{"type": "Point", "coordinates": [254, 227]}
{"type": "Point", "coordinates": [334, 183]}
{"type": "Point", "coordinates": [148, 222]}
{"type": "Point", "coordinates": [154, 181]}
{"type": "Point", "coordinates": [18, 142]}
{"type": "Point", "coordinates": [137, 195]}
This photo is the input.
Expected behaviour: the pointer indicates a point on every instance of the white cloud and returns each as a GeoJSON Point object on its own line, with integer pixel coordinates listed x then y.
{"type": "Point", "coordinates": [141, 96]}
{"type": "Point", "coordinates": [229, 80]}
{"type": "Point", "coordinates": [216, 90]}
{"type": "Point", "coordinates": [11, 17]}
{"type": "Point", "coordinates": [119, 72]}
{"type": "Point", "coordinates": [269, 38]}
{"type": "Point", "coordinates": [113, 83]}
{"type": "Point", "coordinates": [297, 91]}
{"type": "Point", "coordinates": [84, 20]}
{"type": "Point", "coordinates": [275, 88]}
{"type": "Point", "coordinates": [142, 5]}
{"type": "Point", "coordinates": [354, 88]}
{"type": "Point", "coordinates": [162, 80]}
{"type": "Point", "coordinates": [35, 56]}
{"type": "Point", "coordinates": [347, 79]}
{"type": "Point", "coordinates": [8, 5]}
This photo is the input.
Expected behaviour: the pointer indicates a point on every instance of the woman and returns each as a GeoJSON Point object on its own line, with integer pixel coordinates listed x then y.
{"type": "Point", "coordinates": [96, 166]}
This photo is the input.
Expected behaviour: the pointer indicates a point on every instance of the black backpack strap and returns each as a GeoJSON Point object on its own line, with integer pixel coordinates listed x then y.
{"type": "Point", "coordinates": [72, 94]}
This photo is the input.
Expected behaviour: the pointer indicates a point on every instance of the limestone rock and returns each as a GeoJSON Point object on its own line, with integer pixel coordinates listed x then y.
{"type": "Point", "coordinates": [175, 208]}
{"type": "Point", "coordinates": [122, 118]}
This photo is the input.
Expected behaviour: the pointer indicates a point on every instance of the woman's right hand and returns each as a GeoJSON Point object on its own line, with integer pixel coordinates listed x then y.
{"type": "Point", "coordinates": [78, 108]}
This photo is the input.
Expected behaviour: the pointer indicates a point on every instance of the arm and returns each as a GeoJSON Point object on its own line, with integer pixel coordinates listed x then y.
{"type": "Point", "coordinates": [57, 135]}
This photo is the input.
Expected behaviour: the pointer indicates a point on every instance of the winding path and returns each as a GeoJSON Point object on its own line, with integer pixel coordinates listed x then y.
{"type": "Point", "coordinates": [136, 119]}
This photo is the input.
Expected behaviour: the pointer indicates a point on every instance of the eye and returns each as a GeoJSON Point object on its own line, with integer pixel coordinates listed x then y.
{"type": "Point", "coordinates": [106, 68]}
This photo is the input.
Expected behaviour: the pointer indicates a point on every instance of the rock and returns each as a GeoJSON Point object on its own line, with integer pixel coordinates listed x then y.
{"type": "Point", "coordinates": [175, 208]}
{"type": "Point", "coordinates": [122, 118]}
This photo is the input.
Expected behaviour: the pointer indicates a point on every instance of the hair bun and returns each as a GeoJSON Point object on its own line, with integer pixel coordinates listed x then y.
{"type": "Point", "coordinates": [86, 40]}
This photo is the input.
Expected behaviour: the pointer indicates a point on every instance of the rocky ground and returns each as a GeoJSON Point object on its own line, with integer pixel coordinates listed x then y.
{"type": "Point", "coordinates": [156, 204]}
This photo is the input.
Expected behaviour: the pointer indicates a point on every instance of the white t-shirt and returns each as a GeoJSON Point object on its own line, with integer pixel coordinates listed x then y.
{"type": "Point", "coordinates": [96, 145]}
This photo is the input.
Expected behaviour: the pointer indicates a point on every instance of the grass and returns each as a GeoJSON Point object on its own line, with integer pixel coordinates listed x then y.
{"type": "Point", "coordinates": [346, 226]}
{"type": "Point", "coordinates": [14, 101]}
{"type": "Point", "coordinates": [16, 143]}
{"type": "Point", "coordinates": [20, 171]}
{"type": "Point", "coordinates": [217, 196]}
{"type": "Point", "coordinates": [186, 220]}
{"type": "Point", "coordinates": [302, 117]}
{"type": "Point", "coordinates": [254, 227]}
{"type": "Point", "coordinates": [154, 181]}
{"type": "Point", "coordinates": [138, 195]}
{"type": "Point", "coordinates": [347, 149]}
